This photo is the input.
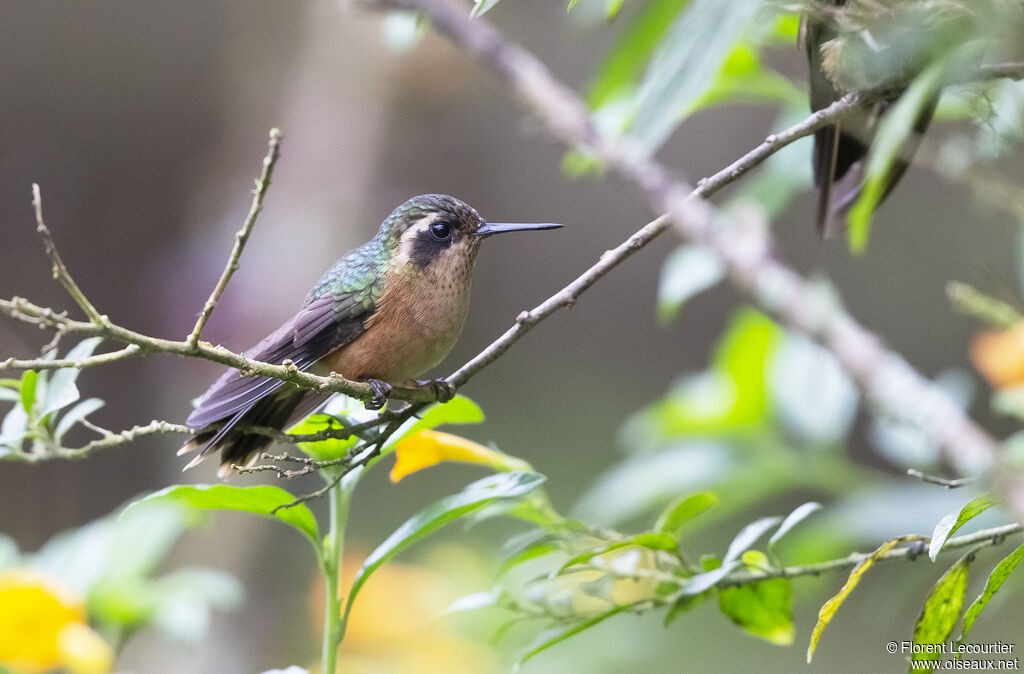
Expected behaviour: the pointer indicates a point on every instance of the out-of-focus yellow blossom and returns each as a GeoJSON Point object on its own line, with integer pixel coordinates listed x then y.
{"type": "Point", "coordinates": [393, 627]}
{"type": "Point", "coordinates": [42, 627]}
{"type": "Point", "coordinates": [428, 448]}
{"type": "Point", "coordinates": [999, 356]}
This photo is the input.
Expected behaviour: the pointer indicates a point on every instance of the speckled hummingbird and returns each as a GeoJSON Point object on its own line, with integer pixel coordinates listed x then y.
{"type": "Point", "coordinates": [386, 312]}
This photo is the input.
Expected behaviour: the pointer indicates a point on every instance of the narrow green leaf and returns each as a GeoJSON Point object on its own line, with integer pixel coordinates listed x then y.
{"type": "Point", "coordinates": [62, 390]}
{"type": "Point", "coordinates": [523, 556]}
{"type": "Point", "coordinates": [893, 131]}
{"type": "Point", "coordinates": [572, 3]}
{"type": "Point", "coordinates": [684, 509]}
{"type": "Point", "coordinates": [704, 581]}
{"type": "Point", "coordinates": [748, 536]}
{"type": "Point", "coordinates": [763, 609]}
{"type": "Point", "coordinates": [649, 540]}
{"type": "Point", "coordinates": [558, 635]}
{"type": "Point", "coordinates": [939, 615]}
{"type": "Point", "coordinates": [433, 517]}
{"type": "Point", "coordinates": [684, 65]}
{"type": "Point", "coordinates": [261, 500]}
{"type": "Point", "coordinates": [626, 61]}
{"type": "Point", "coordinates": [29, 381]}
{"type": "Point", "coordinates": [612, 8]}
{"type": "Point", "coordinates": [481, 7]}
{"type": "Point", "coordinates": [992, 585]}
{"type": "Point", "coordinates": [76, 414]}
{"type": "Point", "coordinates": [949, 524]}
{"type": "Point", "coordinates": [829, 608]}
{"type": "Point", "coordinates": [799, 514]}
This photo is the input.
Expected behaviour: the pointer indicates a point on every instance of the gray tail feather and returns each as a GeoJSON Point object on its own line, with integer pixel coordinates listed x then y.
{"type": "Point", "coordinates": [279, 411]}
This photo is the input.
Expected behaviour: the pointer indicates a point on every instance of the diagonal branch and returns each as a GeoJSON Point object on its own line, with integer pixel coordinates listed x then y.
{"type": "Point", "coordinates": [884, 376]}
{"type": "Point", "coordinates": [60, 272]}
{"type": "Point", "coordinates": [241, 236]}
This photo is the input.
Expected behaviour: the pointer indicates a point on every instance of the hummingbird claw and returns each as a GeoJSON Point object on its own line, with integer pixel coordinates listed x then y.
{"type": "Point", "coordinates": [381, 389]}
{"type": "Point", "coordinates": [441, 388]}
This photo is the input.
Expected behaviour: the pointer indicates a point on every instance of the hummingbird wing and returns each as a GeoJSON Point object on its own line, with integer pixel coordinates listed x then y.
{"type": "Point", "coordinates": [840, 150]}
{"type": "Point", "coordinates": [320, 327]}
{"type": "Point", "coordinates": [334, 315]}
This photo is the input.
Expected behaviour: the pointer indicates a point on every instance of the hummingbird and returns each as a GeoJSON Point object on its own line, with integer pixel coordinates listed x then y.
{"type": "Point", "coordinates": [385, 313]}
{"type": "Point", "coordinates": [848, 60]}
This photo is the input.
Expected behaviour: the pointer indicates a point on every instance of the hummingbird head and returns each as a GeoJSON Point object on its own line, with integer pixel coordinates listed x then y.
{"type": "Point", "coordinates": [439, 231]}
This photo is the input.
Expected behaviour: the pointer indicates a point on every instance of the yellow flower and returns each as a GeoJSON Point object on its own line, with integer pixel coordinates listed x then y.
{"type": "Point", "coordinates": [42, 627]}
{"type": "Point", "coordinates": [427, 448]}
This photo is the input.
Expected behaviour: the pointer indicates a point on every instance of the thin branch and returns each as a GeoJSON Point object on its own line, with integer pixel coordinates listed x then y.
{"type": "Point", "coordinates": [60, 272]}
{"type": "Point", "coordinates": [78, 364]}
{"type": "Point", "coordinates": [886, 378]}
{"type": "Point", "coordinates": [242, 235]}
{"type": "Point", "coordinates": [993, 536]}
{"type": "Point", "coordinates": [941, 481]}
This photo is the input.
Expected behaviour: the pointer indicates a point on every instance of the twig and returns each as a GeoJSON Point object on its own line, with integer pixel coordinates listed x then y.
{"type": "Point", "coordinates": [942, 481]}
{"type": "Point", "coordinates": [61, 363]}
{"type": "Point", "coordinates": [241, 236]}
{"type": "Point", "coordinates": [60, 272]}
{"type": "Point", "coordinates": [993, 536]}
{"type": "Point", "coordinates": [885, 377]}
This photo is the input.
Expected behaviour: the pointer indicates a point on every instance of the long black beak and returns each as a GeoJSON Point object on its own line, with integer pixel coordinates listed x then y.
{"type": "Point", "coordinates": [490, 228]}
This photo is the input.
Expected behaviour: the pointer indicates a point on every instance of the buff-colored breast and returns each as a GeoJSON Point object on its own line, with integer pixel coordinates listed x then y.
{"type": "Point", "coordinates": [417, 322]}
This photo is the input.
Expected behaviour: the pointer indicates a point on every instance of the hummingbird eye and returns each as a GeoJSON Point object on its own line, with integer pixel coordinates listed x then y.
{"type": "Point", "coordinates": [441, 230]}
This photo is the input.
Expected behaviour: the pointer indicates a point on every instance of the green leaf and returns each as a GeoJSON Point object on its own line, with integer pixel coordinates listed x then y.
{"type": "Point", "coordinates": [612, 8]}
{"type": "Point", "coordinates": [477, 495]}
{"type": "Point", "coordinates": [748, 536]}
{"type": "Point", "coordinates": [893, 131]}
{"type": "Point", "coordinates": [556, 636]}
{"type": "Point", "coordinates": [29, 381]}
{"type": "Point", "coordinates": [702, 582]}
{"type": "Point", "coordinates": [940, 613]}
{"type": "Point", "coordinates": [458, 410]}
{"type": "Point", "coordinates": [682, 510]}
{"type": "Point", "coordinates": [995, 581]}
{"type": "Point", "coordinates": [481, 7]}
{"type": "Point", "coordinates": [687, 272]}
{"type": "Point", "coordinates": [324, 450]}
{"type": "Point", "coordinates": [62, 390]}
{"type": "Point", "coordinates": [829, 608]}
{"type": "Point", "coordinates": [533, 552]}
{"type": "Point", "coordinates": [743, 79]}
{"type": "Point", "coordinates": [649, 540]}
{"type": "Point", "coordinates": [949, 524]}
{"type": "Point", "coordinates": [799, 514]}
{"type": "Point", "coordinates": [76, 414]}
{"type": "Point", "coordinates": [261, 500]}
{"type": "Point", "coordinates": [763, 609]}
{"type": "Point", "coordinates": [684, 64]}
{"type": "Point", "coordinates": [626, 61]}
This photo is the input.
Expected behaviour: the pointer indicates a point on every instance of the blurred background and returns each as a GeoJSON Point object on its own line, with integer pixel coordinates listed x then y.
{"type": "Point", "coordinates": [144, 124]}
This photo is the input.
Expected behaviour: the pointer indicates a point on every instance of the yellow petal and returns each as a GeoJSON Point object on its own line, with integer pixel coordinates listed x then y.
{"type": "Point", "coordinates": [427, 448]}
{"type": "Point", "coordinates": [83, 651]}
{"type": "Point", "coordinates": [33, 611]}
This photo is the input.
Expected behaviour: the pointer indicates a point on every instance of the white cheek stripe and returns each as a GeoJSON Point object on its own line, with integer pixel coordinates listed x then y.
{"type": "Point", "coordinates": [409, 236]}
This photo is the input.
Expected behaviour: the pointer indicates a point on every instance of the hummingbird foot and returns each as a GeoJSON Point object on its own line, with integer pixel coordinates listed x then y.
{"type": "Point", "coordinates": [440, 387]}
{"type": "Point", "coordinates": [381, 389]}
